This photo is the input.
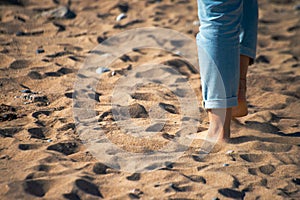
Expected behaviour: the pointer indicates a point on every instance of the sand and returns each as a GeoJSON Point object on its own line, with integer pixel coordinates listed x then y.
{"type": "Point", "coordinates": [43, 156]}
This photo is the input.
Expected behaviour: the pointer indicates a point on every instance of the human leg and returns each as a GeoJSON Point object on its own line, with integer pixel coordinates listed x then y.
{"type": "Point", "coordinates": [242, 108]}
{"type": "Point", "coordinates": [218, 48]}
{"type": "Point", "coordinates": [248, 40]}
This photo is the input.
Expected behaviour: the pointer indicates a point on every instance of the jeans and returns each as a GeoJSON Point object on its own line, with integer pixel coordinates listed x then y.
{"type": "Point", "coordinates": [228, 29]}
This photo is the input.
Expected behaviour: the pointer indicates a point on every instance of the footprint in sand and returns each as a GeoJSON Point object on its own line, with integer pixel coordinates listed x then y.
{"type": "Point", "coordinates": [134, 177]}
{"type": "Point", "coordinates": [19, 64]}
{"type": "Point", "coordinates": [272, 147]}
{"type": "Point", "coordinates": [267, 169]}
{"type": "Point", "coordinates": [66, 148]}
{"type": "Point", "coordinates": [253, 157]}
{"type": "Point", "coordinates": [9, 132]}
{"type": "Point", "coordinates": [100, 168]}
{"type": "Point", "coordinates": [38, 133]}
{"type": "Point", "coordinates": [62, 71]}
{"type": "Point", "coordinates": [36, 188]}
{"type": "Point", "coordinates": [230, 193]}
{"type": "Point", "coordinates": [25, 147]}
{"type": "Point", "coordinates": [88, 187]}
{"type": "Point", "coordinates": [42, 168]}
{"type": "Point", "coordinates": [35, 75]}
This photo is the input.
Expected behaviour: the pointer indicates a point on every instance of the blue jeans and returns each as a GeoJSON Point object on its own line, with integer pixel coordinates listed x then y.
{"type": "Point", "coordinates": [228, 29]}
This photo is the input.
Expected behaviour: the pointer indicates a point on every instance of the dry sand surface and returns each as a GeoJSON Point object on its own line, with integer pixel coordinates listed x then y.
{"type": "Point", "coordinates": [42, 155]}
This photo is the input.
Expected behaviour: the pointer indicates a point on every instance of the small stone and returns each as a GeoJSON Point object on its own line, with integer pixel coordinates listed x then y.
{"type": "Point", "coordinates": [40, 50]}
{"type": "Point", "coordinates": [121, 16]}
{"type": "Point", "coordinates": [135, 194]}
{"type": "Point", "coordinates": [113, 73]}
{"type": "Point", "coordinates": [20, 33]}
{"type": "Point", "coordinates": [225, 165]}
{"type": "Point", "coordinates": [26, 91]}
{"type": "Point", "coordinates": [49, 140]}
{"type": "Point", "coordinates": [101, 39]}
{"type": "Point", "coordinates": [296, 181]}
{"type": "Point", "coordinates": [229, 152]}
{"type": "Point", "coordinates": [136, 191]}
{"type": "Point", "coordinates": [129, 67]}
{"type": "Point", "coordinates": [177, 53]}
{"type": "Point", "coordinates": [101, 70]}
{"type": "Point", "coordinates": [196, 23]}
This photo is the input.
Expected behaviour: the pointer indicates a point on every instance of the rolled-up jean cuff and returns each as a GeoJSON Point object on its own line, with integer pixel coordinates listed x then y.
{"type": "Point", "coordinates": [220, 103]}
{"type": "Point", "coordinates": [246, 51]}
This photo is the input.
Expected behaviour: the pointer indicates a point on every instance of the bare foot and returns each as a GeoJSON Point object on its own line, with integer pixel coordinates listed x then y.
{"type": "Point", "coordinates": [219, 126]}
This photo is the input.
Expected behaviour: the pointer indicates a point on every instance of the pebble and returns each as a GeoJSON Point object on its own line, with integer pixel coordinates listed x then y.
{"type": "Point", "coordinates": [178, 53]}
{"type": "Point", "coordinates": [215, 198]}
{"type": "Point", "coordinates": [296, 181]}
{"type": "Point", "coordinates": [196, 23]}
{"type": "Point", "coordinates": [101, 70]}
{"type": "Point", "coordinates": [49, 140]}
{"type": "Point", "coordinates": [225, 165]}
{"type": "Point", "coordinates": [26, 91]}
{"type": "Point", "coordinates": [121, 16]}
{"type": "Point", "coordinates": [135, 194]}
{"type": "Point", "coordinates": [40, 50]}
{"type": "Point", "coordinates": [113, 73]}
{"type": "Point", "coordinates": [32, 97]}
{"type": "Point", "coordinates": [229, 152]}
{"type": "Point", "coordinates": [20, 33]}
{"type": "Point", "coordinates": [137, 191]}
{"type": "Point", "coordinates": [297, 7]}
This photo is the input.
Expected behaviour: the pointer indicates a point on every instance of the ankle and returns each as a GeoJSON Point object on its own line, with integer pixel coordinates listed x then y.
{"type": "Point", "coordinates": [219, 128]}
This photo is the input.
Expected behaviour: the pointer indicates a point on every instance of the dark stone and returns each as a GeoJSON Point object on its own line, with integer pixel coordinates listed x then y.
{"type": "Point", "coordinates": [296, 181]}
{"type": "Point", "coordinates": [40, 50]}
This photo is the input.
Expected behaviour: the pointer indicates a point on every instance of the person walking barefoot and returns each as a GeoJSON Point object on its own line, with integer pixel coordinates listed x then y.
{"type": "Point", "coordinates": [226, 46]}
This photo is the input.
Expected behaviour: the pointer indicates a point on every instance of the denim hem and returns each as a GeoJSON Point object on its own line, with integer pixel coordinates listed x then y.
{"type": "Point", "coordinates": [246, 51]}
{"type": "Point", "coordinates": [220, 103]}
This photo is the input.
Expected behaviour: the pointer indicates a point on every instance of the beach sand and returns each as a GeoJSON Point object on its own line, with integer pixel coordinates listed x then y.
{"type": "Point", "coordinates": [42, 155]}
